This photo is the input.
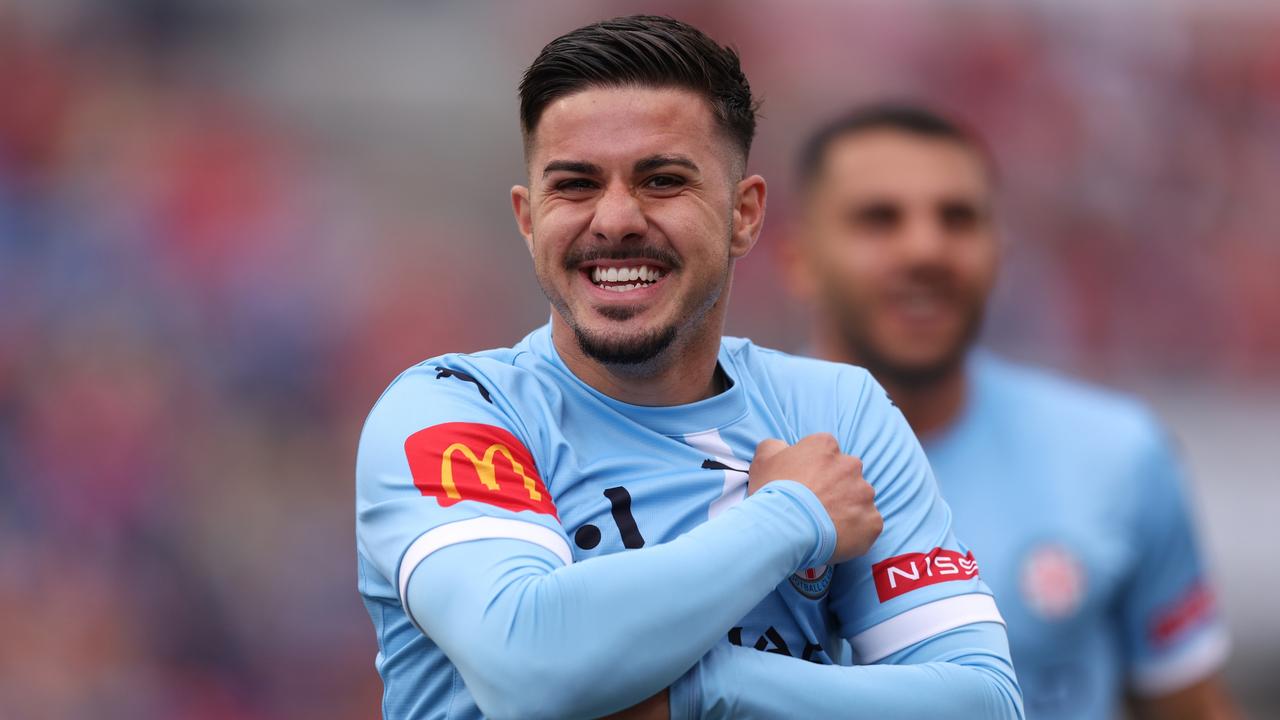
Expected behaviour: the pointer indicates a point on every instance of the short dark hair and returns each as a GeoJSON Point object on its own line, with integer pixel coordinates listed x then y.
{"type": "Point", "coordinates": [902, 117]}
{"type": "Point", "coordinates": [644, 50]}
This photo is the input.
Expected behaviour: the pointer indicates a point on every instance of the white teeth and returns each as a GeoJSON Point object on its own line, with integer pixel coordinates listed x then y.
{"type": "Point", "coordinates": [641, 273]}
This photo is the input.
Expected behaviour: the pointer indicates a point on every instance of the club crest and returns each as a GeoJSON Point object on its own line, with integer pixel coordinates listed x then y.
{"type": "Point", "coordinates": [1052, 581]}
{"type": "Point", "coordinates": [813, 583]}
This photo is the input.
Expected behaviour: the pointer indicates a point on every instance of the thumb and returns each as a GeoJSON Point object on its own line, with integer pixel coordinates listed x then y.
{"type": "Point", "coordinates": [768, 448]}
{"type": "Point", "coordinates": [765, 450]}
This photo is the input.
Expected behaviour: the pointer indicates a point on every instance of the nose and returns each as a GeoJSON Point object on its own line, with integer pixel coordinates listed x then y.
{"type": "Point", "coordinates": [924, 239]}
{"type": "Point", "coordinates": [618, 215]}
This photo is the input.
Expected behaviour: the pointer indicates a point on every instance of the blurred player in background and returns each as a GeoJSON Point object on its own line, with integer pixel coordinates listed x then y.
{"type": "Point", "coordinates": [562, 529]}
{"type": "Point", "coordinates": [1070, 495]}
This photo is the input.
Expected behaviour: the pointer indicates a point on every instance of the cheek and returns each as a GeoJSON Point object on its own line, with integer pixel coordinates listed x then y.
{"type": "Point", "coordinates": [557, 216]}
{"type": "Point", "coordinates": [858, 265]}
{"type": "Point", "coordinates": [978, 268]}
{"type": "Point", "coordinates": [554, 232]}
{"type": "Point", "coordinates": [693, 229]}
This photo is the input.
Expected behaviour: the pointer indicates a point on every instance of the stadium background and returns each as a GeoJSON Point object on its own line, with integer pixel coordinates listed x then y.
{"type": "Point", "coordinates": [224, 226]}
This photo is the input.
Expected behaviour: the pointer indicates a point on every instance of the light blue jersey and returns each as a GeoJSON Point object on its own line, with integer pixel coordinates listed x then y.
{"type": "Point", "coordinates": [1076, 504]}
{"type": "Point", "coordinates": [508, 447]}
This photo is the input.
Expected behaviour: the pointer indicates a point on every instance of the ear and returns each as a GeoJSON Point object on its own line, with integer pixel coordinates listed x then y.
{"type": "Point", "coordinates": [523, 210]}
{"type": "Point", "coordinates": [748, 215]}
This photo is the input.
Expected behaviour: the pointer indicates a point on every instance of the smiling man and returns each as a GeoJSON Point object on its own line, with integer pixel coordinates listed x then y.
{"type": "Point", "coordinates": [622, 511]}
{"type": "Point", "coordinates": [1070, 494]}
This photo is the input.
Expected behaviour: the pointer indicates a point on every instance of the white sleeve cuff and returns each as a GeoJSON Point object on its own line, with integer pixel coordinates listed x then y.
{"type": "Point", "coordinates": [1192, 662]}
{"type": "Point", "coordinates": [480, 528]}
{"type": "Point", "coordinates": [921, 623]}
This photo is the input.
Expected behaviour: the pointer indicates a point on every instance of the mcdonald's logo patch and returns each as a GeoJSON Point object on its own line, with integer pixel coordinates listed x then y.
{"type": "Point", "coordinates": [453, 462]}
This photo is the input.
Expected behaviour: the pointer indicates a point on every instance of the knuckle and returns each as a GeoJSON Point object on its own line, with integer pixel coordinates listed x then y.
{"type": "Point", "coordinates": [864, 490]}
{"type": "Point", "coordinates": [821, 441]}
{"type": "Point", "coordinates": [851, 466]}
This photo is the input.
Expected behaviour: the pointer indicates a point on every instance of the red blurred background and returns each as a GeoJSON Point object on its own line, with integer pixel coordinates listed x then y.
{"type": "Point", "coordinates": [225, 226]}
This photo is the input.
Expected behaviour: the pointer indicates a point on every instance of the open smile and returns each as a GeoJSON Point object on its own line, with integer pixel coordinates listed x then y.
{"type": "Point", "coordinates": [619, 279]}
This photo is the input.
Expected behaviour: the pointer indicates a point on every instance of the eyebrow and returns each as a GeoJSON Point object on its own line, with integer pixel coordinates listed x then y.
{"type": "Point", "coordinates": [654, 162]}
{"type": "Point", "coordinates": [649, 164]}
{"type": "Point", "coordinates": [572, 166]}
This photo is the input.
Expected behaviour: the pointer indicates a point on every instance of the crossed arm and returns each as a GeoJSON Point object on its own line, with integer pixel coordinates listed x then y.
{"type": "Point", "coordinates": [534, 638]}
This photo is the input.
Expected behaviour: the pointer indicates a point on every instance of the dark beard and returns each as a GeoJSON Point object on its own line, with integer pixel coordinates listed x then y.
{"type": "Point", "coordinates": [889, 371]}
{"type": "Point", "coordinates": [633, 353]}
{"type": "Point", "coordinates": [908, 377]}
{"type": "Point", "coordinates": [634, 356]}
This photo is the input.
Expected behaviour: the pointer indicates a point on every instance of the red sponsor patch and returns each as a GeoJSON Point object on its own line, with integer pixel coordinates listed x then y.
{"type": "Point", "coordinates": [470, 461]}
{"type": "Point", "coordinates": [1195, 605]}
{"type": "Point", "coordinates": [901, 574]}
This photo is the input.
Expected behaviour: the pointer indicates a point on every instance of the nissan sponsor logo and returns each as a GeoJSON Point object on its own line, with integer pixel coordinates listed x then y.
{"type": "Point", "coordinates": [901, 574]}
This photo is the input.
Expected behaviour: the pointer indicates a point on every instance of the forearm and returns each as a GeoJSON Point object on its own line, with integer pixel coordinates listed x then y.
{"type": "Point", "coordinates": [964, 673]}
{"type": "Point", "coordinates": [534, 639]}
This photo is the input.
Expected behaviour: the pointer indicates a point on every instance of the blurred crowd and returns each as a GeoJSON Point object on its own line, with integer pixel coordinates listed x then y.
{"type": "Point", "coordinates": [1137, 147]}
{"type": "Point", "coordinates": [176, 300]}
{"type": "Point", "coordinates": [198, 303]}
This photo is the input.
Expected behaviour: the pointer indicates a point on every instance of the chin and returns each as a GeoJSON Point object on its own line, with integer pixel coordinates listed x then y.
{"type": "Point", "coordinates": [636, 348]}
{"type": "Point", "coordinates": [916, 370]}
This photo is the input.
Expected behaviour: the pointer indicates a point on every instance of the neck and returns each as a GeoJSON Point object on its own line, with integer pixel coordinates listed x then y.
{"type": "Point", "coordinates": [685, 373]}
{"type": "Point", "coordinates": [929, 407]}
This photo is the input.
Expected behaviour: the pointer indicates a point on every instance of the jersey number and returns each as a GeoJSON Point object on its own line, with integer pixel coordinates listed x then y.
{"type": "Point", "coordinates": [588, 536]}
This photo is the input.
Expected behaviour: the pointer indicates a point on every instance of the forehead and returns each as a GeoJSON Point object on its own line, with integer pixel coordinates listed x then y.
{"type": "Point", "coordinates": [895, 164]}
{"type": "Point", "coordinates": [604, 125]}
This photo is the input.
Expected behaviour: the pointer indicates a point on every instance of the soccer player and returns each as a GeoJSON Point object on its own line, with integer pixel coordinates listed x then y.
{"type": "Point", "coordinates": [625, 509]}
{"type": "Point", "coordinates": [1070, 495]}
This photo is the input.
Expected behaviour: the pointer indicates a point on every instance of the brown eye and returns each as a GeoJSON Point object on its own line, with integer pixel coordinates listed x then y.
{"type": "Point", "coordinates": [575, 185]}
{"type": "Point", "coordinates": [876, 217]}
{"type": "Point", "coordinates": [959, 216]}
{"type": "Point", "coordinates": [665, 182]}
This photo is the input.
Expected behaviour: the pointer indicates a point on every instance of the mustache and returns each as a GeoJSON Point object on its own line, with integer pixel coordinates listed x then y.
{"type": "Point", "coordinates": [933, 277]}
{"type": "Point", "coordinates": [576, 258]}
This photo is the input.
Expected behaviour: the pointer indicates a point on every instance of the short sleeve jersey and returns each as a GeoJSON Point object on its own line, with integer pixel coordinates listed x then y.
{"type": "Point", "coordinates": [510, 444]}
{"type": "Point", "coordinates": [1075, 502]}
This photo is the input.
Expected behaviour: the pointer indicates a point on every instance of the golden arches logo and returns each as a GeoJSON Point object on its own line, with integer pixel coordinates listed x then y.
{"type": "Point", "coordinates": [484, 468]}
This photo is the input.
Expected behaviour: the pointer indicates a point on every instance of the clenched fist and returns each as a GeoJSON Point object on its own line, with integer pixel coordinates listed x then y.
{"type": "Point", "coordinates": [817, 463]}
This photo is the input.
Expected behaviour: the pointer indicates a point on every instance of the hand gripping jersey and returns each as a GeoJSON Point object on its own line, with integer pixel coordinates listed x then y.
{"type": "Point", "coordinates": [509, 445]}
{"type": "Point", "coordinates": [1075, 503]}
